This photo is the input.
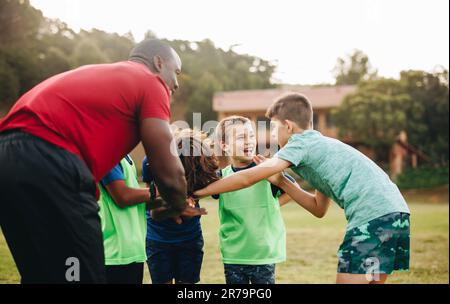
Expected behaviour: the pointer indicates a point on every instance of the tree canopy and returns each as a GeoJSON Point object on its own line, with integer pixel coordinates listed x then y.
{"type": "Point", "coordinates": [33, 48]}
{"type": "Point", "coordinates": [380, 109]}
{"type": "Point", "coordinates": [353, 68]}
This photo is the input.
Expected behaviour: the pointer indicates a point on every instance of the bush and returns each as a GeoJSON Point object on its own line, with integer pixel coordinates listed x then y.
{"type": "Point", "coordinates": [424, 177]}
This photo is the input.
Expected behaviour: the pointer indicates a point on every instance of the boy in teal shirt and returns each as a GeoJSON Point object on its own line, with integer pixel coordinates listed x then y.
{"type": "Point", "coordinates": [377, 237]}
{"type": "Point", "coordinates": [252, 233]}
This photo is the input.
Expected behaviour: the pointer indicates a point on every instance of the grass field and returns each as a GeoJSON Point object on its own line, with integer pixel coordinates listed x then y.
{"type": "Point", "coordinates": [312, 244]}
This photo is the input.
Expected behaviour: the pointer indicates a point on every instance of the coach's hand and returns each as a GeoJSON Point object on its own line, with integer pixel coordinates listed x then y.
{"type": "Point", "coordinates": [156, 203]}
{"type": "Point", "coordinates": [190, 211]}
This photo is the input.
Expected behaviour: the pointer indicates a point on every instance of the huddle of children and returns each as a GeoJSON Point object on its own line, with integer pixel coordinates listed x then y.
{"type": "Point", "coordinates": [250, 191]}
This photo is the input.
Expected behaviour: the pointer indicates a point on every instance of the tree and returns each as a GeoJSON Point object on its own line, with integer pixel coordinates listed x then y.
{"type": "Point", "coordinates": [33, 48]}
{"type": "Point", "coordinates": [353, 68]}
{"type": "Point", "coordinates": [53, 62]}
{"type": "Point", "coordinates": [9, 84]}
{"type": "Point", "coordinates": [375, 114]}
{"type": "Point", "coordinates": [19, 26]}
{"type": "Point", "coordinates": [112, 47]}
{"type": "Point", "coordinates": [380, 109]}
{"type": "Point", "coordinates": [430, 91]}
{"type": "Point", "coordinates": [208, 69]}
{"type": "Point", "coordinates": [19, 21]}
{"type": "Point", "coordinates": [200, 100]}
{"type": "Point", "coordinates": [87, 52]}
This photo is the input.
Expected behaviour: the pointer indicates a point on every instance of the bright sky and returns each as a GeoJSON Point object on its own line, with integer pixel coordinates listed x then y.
{"type": "Point", "coordinates": [303, 37]}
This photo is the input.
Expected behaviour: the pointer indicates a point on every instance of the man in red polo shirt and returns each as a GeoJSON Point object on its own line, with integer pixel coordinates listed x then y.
{"type": "Point", "coordinates": [62, 137]}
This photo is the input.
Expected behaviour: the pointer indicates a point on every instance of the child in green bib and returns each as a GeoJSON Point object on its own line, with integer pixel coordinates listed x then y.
{"type": "Point", "coordinates": [252, 233]}
{"type": "Point", "coordinates": [124, 226]}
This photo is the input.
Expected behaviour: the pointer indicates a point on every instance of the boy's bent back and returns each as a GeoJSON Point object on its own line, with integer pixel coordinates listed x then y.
{"type": "Point", "coordinates": [344, 174]}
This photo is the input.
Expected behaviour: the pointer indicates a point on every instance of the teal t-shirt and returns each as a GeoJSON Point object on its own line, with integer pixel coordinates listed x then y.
{"type": "Point", "coordinates": [345, 175]}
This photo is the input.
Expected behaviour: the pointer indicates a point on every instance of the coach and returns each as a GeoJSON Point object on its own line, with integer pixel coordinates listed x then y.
{"type": "Point", "coordinates": [62, 137]}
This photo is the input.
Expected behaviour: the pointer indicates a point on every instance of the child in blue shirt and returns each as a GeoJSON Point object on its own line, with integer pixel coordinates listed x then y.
{"type": "Point", "coordinates": [175, 246]}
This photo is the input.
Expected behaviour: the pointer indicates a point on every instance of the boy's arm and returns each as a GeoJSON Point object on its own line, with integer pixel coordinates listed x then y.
{"type": "Point", "coordinates": [125, 196]}
{"type": "Point", "coordinates": [317, 204]}
{"type": "Point", "coordinates": [244, 178]}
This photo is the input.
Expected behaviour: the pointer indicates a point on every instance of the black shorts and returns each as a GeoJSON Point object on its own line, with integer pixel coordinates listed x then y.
{"type": "Point", "coordinates": [175, 261]}
{"type": "Point", "coordinates": [48, 212]}
{"type": "Point", "coordinates": [125, 274]}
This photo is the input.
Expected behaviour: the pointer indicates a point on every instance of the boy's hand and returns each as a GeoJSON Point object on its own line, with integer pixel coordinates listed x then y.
{"type": "Point", "coordinates": [275, 179]}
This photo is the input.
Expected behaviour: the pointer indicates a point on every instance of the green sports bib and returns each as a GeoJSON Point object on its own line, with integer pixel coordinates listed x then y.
{"type": "Point", "coordinates": [252, 229]}
{"type": "Point", "coordinates": [124, 230]}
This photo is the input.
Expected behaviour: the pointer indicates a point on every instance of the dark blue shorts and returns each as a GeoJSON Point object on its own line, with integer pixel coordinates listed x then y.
{"type": "Point", "coordinates": [175, 261]}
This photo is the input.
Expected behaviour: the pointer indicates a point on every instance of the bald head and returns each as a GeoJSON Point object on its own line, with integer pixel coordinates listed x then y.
{"type": "Point", "coordinates": [160, 58]}
{"type": "Point", "coordinates": [145, 51]}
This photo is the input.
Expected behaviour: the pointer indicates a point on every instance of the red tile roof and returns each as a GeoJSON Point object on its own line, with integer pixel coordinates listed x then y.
{"type": "Point", "coordinates": [260, 100]}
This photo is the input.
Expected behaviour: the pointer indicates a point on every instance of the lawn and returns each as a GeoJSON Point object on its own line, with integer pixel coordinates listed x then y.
{"type": "Point", "coordinates": [312, 244]}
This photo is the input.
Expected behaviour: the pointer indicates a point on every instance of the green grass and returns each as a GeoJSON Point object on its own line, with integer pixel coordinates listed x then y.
{"type": "Point", "coordinates": [312, 244]}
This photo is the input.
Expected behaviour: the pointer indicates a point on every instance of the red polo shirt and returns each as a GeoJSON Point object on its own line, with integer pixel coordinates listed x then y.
{"type": "Point", "coordinates": [93, 111]}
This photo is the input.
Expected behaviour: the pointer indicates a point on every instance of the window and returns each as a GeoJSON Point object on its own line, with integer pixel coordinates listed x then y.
{"type": "Point", "coordinates": [315, 121]}
{"type": "Point", "coordinates": [330, 122]}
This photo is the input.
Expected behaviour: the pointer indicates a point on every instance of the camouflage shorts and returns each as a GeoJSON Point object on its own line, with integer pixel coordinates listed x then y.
{"type": "Point", "coordinates": [380, 246]}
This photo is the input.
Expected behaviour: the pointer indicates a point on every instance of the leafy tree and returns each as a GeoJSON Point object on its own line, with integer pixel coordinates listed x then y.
{"type": "Point", "coordinates": [380, 109]}
{"type": "Point", "coordinates": [209, 69]}
{"type": "Point", "coordinates": [33, 48]}
{"type": "Point", "coordinates": [201, 99]}
{"type": "Point", "coordinates": [353, 68]}
{"type": "Point", "coordinates": [112, 47]}
{"type": "Point", "coordinates": [19, 21]}
{"type": "Point", "coordinates": [375, 114]}
{"type": "Point", "coordinates": [53, 62]}
{"type": "Point", "coordinates": [430, 127]}
{"type": "Point", "coordinates": [87, 51]}
{"type": "Point", "coordinates": [9, 84]}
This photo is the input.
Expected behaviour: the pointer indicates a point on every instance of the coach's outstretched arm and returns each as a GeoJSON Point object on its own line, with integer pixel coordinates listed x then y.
{"type": "Point", "coordinates": [165, 167]}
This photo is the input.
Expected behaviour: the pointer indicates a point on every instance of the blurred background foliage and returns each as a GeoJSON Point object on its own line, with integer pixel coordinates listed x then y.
{"type": "Point", "coordinates": [33, 48]}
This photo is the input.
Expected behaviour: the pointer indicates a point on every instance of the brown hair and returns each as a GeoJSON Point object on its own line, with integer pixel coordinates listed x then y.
{"type": "Point", "coordinates": [294, 107]}
{"type": "Point", "coordinates": [221, 129]}
{"type": "Point", "coordinates": [220, 133]}
{"type": "Point", "coordinates": [199, 162]}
